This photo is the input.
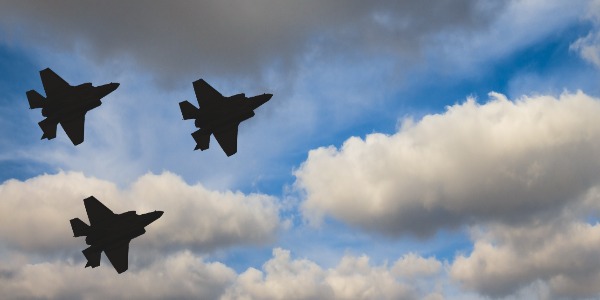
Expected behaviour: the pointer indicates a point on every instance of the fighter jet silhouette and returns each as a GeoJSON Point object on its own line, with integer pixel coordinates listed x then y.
{"type": "Point", "coordinates": [66, 104]}
{"type": "Point", "coordinates": [219, 115]}
{"type": "Point", "coordinates": [110, 232]}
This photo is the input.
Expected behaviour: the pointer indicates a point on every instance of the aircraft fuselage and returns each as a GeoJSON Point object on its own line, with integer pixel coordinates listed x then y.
{"type": "Point", "coordinates": [235, 109]}
{"type": "Point", "coordinates": [80, 99]}
{"type": "Point", "coordinates": [121, 228]}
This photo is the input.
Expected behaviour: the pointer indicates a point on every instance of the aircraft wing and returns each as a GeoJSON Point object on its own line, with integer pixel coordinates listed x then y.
{"type": "Point", "coordinates": [118, 256]}
{"type": "Point", "coordinates": [96, 211]}
{"type": "Point", "coordinates": [227, 138]}
{"type": "Point", "coordinates": [206, 94]}
{"type": "Point", "coordinates": [74, 128]}
{"type": "Point", "coordinates": [53, 84]}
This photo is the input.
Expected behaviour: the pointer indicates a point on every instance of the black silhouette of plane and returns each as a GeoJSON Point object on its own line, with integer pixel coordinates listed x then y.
{"type": "Point", "coordinates": [66, 104]}
{"type": "Point", "coordinates": [219, 115]}
{"type": "Point", "coordinates": [110, 232]}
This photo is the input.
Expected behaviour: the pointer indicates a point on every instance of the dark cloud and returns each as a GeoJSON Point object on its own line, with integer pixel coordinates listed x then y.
{"type": "Point", "coordinates": [178, 38]}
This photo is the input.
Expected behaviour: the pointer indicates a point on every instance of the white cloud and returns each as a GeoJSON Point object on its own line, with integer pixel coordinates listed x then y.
{"type": "Point", "coordinates": [35, 214]}
{"type": "Point", "coordinates": [589, 46]}
{"type": "Point", "coordinates": [183, 275]}
{"type": "Point", "coordinates": [561, 256]}
{"type": "Point", "coordinates": [353, 278]}
{"type": "Point", "coordinates": [502, 160]}
{"type": "Point", "coordinates": [179, 276]}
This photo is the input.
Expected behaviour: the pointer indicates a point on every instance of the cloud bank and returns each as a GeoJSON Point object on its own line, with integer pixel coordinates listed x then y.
{"type": "Point", "coordinates": [185, 276]}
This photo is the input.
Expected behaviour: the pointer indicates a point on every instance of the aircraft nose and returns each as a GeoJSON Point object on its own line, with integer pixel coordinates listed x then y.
{"type": "Point", "coordinates": [157, 214]}
{"type": "Point", "coordinates": [107, 89]}
{"type": "Point", "coordinates": [260, 100]}
{"type": "Point", "coordinates": [151, 217]}
{"type": "Point", "coordinates": [113, 86]}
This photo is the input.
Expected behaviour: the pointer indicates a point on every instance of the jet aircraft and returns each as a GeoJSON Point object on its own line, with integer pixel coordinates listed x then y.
{"type": "Point", "coordinates": [219, 115]}
{"type": "Point", "coordinates": [66, 104]}
{"type": "Point", "coordinates": [110, 232]}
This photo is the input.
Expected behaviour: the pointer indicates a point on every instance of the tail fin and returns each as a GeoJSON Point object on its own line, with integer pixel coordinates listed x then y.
{"type": "Point", "coordinates": [202, 138]}
{"type": "Point", "coordinates": [35, 99]}
{"type": "Point", "coordinates": [79, 227]}
{"type": "Point", "coordinates": [49, 129]}
{"type": "Point", "coordinates": [188, 110]}
{"type": "Point", "coordinates": [93, 257]}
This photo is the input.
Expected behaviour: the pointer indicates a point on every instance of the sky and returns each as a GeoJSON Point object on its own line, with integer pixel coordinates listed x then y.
{"type": "Point", "coordinates": [411, 150]}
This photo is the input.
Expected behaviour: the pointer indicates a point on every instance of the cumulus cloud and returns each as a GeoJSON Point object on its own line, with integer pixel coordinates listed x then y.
{"type": "Point", "coordinates": [353, 278]}
{"type": "Point", "coordinates": [499, 161]}
{"type": "Point", "coordinates": [179, 276]}
{"type": "Point", "coordinates": [178, 38]}
{"type": "Point", "coordinates": [562, 256]}
{"type": "Point", "coordinates": [35, 214]}
{"type": "Point", "coordinates": [183, 275]}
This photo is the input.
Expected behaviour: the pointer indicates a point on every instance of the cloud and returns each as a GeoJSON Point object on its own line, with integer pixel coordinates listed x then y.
{"type": "Point", "coordinates": [179, 276]}
{"type": "Point", "coordinates": [563, 256]}
{"type": "Point", "coordinates": [501, 161]}
{"type": "Point", "coordinates": [589, 48]}
{"type": "Point", "coordinates": [181, 38]}
{"type": "Point", "coordinates": [515, 27]}
{"type": "Point", "coordinates": [35, 214]}
{"type": "Point", "coordinates": [353, 278]}
{"type": "Point", "coordinates": [183, 275]}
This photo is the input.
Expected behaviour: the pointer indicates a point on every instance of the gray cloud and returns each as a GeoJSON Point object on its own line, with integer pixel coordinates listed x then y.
{"type": "Point", "coordinates": [179, 38]}
{"type": "Point", "coordinates": [500, 161]}
{"type": "Point", "coordinates": [563, 256]}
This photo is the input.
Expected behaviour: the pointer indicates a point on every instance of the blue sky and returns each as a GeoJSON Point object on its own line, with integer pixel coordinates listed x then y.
{"type": "Point", "coordinates": [411, 150]}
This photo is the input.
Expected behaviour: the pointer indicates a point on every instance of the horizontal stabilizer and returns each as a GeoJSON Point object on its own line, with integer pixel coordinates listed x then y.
{"type": "Point", "coordinates": [202, 138]}
{"type": "Point", "coordinates": [49, 128]}
{"type": "Point", "coordinates": [79, 227]}
{"type": "Point", "coordinates": [188, 110]}
{"type": "Point", "coordinates": [93, 257]}
{"type": "Point", "coordinates": [35, 99]}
